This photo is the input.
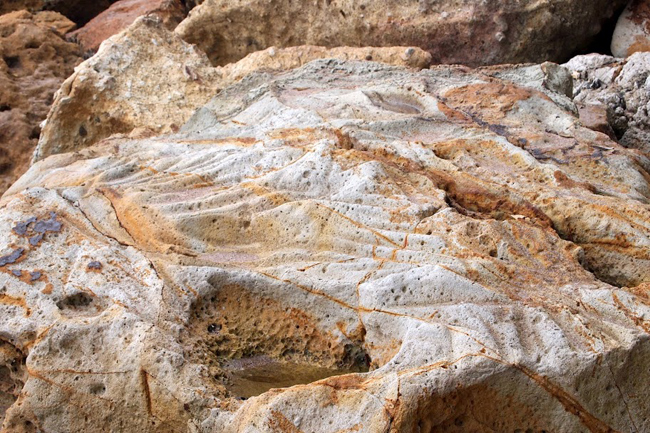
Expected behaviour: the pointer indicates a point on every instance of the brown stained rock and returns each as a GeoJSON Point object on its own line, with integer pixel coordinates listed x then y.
{"type": "Point", "coordinates": [594, 116]}
{"type": "Point", "coordinates": [632, 32]}
{"type": "Point", "coordinates": [35, 59]}
{"type": "Point", "coordinates": [472, 33]}
{"type": "Point", "coordinates": [79, 11]}
{"type": "Point", "coordinates": [122, 14]}
{"type": "Point", "coordinates": [458, 231]}
{"type": "Point", "coordinates": [146, 81]}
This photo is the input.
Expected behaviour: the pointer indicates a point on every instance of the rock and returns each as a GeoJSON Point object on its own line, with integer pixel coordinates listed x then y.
{"type": "Point", "coordinates": [35, 59]}
{"type": "Point", "coordinates": [148, 80]}
{"type": "Point", "coordinates": [122, 14]}
{"type": "Point", "coordinates": [54, 21]}
{"type": "Point", "coordinates": [144, 77]}
{"type": "Point", "coordinates": [472, 33]}
{"type": "Point", "coordinates": [79, 11]}
{"type": "Point", "coordinates": [282, 59]}
{"type": "Point", "coordinates": [632, 32]}
{"type": "Point", "coordinates": [456, 232]}
{"type": "Point", "coordinates": [622, 87]}
{"type": "Point", "coordinates": [594, 116]}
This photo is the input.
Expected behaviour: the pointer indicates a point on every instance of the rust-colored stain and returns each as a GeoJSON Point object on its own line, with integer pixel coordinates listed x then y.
{"type": "Point", "coordinates": [300, 137]}
{"type": "Point", "coordinates": [346, 381]}
{"type": "Point", "coordinates": [640, 44]}
{"type": "Point", "coordinates": [638, 321]}
{"type": "Point", "coordinates": [564, 181]}
{"type": "Point", "coordinates": [15, 302]}
{"type": "Point", "coordinates": [279, 423]}
{"type": "Point", "coordinates": [640, 14]}
{"type": "Point", "coordinates": [453, 114]}
{"type": "Point", "coordinates": [134, 221]}
{"type": "Point", "coordinates": [492, 99]}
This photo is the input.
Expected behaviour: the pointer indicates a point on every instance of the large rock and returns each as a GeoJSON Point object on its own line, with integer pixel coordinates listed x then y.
{"type": "Point", "coordinates": [632, 32]}
{"type": "Point", "coordinates": [34, 61]}
{"type": "Point", "coordinates": [146, 80]}
{"type": "Point", "coordinates": [79, 11]}
{"type": "Point", "coordinates": [620, 90]}
{"type": "Point", "coordinates": [472, 33]}
{"type": "Point", "coordinates": [122, 14]}
{"type": "Point", "coordinates": [456, 232]}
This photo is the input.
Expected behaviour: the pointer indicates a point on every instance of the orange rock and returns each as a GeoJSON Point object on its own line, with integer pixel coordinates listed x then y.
{"type": "Point", "coordinates": [35, 61]}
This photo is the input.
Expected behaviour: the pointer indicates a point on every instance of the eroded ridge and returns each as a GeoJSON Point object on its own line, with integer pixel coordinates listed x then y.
{"type": "Point", "coordinates": [456, 232]}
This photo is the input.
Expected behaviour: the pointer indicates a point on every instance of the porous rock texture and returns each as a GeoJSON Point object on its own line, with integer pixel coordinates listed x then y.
{"type": "Point", "coordinates": [453, 31]}
{"type": "Point", "coordinates": [632, 32]}
{"type": "Point", "coordinates": [618, 90]}
{"type": "Point", "coordinates": [457, 231]}
{"type": "Point", "coordinates": [79, 11]}
{"type": "Point", "coordinates": [34, 61]}
{"type": "Point", "coordinates": [122, 14]}
{"type": "Point", "coordinates": [146, 81]}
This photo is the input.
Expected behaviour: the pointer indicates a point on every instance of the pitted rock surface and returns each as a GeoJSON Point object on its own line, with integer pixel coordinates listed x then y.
{"type": "Point", "coordinates": [457, 232]}
{"type": "Point", "coordinates": [147, 81]}
{"type": "Point", "coordinates": [34, 60]}
{"type": "Point", "coordinates": [453, 31]}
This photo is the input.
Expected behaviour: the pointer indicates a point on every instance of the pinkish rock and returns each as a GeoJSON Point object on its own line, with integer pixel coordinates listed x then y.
{"type": "Point", "coordinates": [453, 31]}
{"type": "Point", "coordinates": [122, 14]}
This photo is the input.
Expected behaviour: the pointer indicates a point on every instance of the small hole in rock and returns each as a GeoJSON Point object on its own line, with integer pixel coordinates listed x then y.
{"type": "Point", "coordinates": [76, 301]}
{"type": "Point", "coordinates": [12, 61]}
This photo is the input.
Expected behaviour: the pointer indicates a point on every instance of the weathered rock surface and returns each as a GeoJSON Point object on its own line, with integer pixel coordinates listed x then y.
{"type": "Point", "coordinates": [619, 91]}
{"type": "Point", "coordinates": [148, 80]}
{"type": "Point", "coordinates": [79, 11]}
{"type": "Point", "coordinates": [35, 59]}
{"type": "Point", "coordinates": [456, 231]}
{"type": "Point", "coordinates": [122, 14]}
{"type": "Point", "coordinates": [632, 32]}
{"type": "Point", "coordinates": [453, 31]}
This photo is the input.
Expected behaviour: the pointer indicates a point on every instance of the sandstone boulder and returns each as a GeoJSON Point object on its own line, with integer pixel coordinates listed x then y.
{"type": "Point", "coordinates": [632, 32]}
{"type": "Point", "coordinates": [34, 61]}
{"type": "Point", "coordinates": [122, 14]}
{"type": "Point", "coordinates": [451, 244]}
{"type": "Point", "coordinates": [472, 33]}
{"type": "Point", "coordinates": [148, 81]}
